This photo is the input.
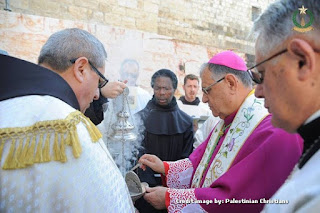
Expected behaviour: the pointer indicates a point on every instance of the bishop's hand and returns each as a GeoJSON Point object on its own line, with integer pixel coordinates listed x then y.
{"type": "Point", "coordinates": [156, 196]}
{"type": "Point", "coordinates": [152, 162]}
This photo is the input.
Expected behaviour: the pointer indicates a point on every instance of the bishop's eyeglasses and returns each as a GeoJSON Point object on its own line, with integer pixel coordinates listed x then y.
{"type": "Point", "coordinates": [208, 88]}
{"type": "Point", "coordinates": [102, 80]}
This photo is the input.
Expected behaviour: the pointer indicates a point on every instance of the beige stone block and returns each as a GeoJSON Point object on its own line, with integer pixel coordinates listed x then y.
{"type": "Point", "coordinates": [169, 14]}
{"type": "Point", "coordinates": [112, 19]}
{"type": "Point", "coordinates": [149, 23]}
{"type": "Point", "coordinates": [155, 1]}
{"type": "Point", "coordinates": [128, 22]}
{"type": "Point", "coordinates": [128, 3]}
{"type": "Point", "coordinates": [133, 13]}
{"type": "Point", "coordinates": [14, 5]}
{"type": "Point", "coordinates": [178, 4]}
{"type": "Point", "coordinates": [62, 13]}
{"type": "Point", "coordinates": [140, 4]}
{"type": "Point", "coordinates": [97, 17]}
{"type": "Point", "coordinates": [119, 10]}
{"type": "Point", "coordinates": [78, 13]}
{"type": "Point", "coordinates": [43, 7]}
{"type": "Point", "coordinates": [106, 7]}
{"type": "Point", "coordinates": [151, 7]}
{"type": "Point", "coordinates": [162, 29]}
{"type": "Point", "coordinates": [90, 4]}
{"type": "Point", "coordinates": [64, 2]}
{"type": "Point", "coordinates": [177, 15]}
{"type": "Point", "coordinates": [164, 9]}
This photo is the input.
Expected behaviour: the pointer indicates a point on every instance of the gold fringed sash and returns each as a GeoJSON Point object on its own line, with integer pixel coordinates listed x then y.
{"type": "Point", "coordinates": [44, 141]}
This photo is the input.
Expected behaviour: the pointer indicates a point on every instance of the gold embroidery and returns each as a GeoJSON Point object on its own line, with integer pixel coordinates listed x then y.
{"type": "Point", "coordinates": [217, 165]}
{"type": "Point", "coordinates": [36, 148]}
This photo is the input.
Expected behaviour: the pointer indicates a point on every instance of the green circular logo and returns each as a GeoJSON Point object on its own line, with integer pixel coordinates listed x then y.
{"type": "Point", "coordinates": [294, 19]}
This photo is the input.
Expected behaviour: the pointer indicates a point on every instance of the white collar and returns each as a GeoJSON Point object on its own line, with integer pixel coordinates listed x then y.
{"type": "Point", "coordinates": [313, 117]}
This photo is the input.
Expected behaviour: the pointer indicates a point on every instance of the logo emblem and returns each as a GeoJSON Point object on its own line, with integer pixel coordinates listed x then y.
{"type": "Point", "coordinates": [302, 26]}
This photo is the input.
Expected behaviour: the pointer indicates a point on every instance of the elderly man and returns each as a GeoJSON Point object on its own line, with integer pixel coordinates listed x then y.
{"type": "Point", "coordinates": [242, 162]}
{"type": "Point", "coordinates": [288, 78]}
{"type": "Point", "coordinates": [50, 154]}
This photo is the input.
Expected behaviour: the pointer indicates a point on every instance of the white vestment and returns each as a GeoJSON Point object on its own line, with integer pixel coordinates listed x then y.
{"type": "Point", "coordinates": [138, 99]}
{"type": "Point", "coordinates": [195, 110]}
{"type": "Point", "coordinates": [203, 132]}
{"type": "Point", "coordinates": [301, 192]}
{"type": "Point", "coordinates": [90, 182]}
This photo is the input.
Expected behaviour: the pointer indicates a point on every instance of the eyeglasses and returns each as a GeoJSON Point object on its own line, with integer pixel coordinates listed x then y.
{"type": "Point", "coordinates": [256, 76]}
{"type": "Point", "coordinates": [102, 80]}
{"type": "Point", "coordinates": [207, 89]}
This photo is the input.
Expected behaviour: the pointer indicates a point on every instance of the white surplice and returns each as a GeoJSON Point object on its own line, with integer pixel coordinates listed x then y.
{"type": "Point", "coordinates": [89, 183]}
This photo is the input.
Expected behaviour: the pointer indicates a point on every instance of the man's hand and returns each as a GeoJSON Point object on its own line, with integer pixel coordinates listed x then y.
{"type": "Point", "coordinates": [156, 196]}
{"type": "Point", "coordinates": [113, 89]}
{"type": "Point", "coordinates": [153, 162]}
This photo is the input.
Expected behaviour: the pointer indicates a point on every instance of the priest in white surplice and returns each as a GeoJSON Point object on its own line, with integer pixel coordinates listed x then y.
{"type": "Point", "coordinates": [288, 77]}
{"type": "Point", "coordinates": [52, 157]}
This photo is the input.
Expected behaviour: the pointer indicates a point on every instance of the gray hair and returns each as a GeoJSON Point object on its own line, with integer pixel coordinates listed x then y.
{"type": "Point", "coordinates": [219, 71]}
{"type": "Point", "coordinates": [275, 24]}
{"type": "Point", "coordinates": [68, 44]}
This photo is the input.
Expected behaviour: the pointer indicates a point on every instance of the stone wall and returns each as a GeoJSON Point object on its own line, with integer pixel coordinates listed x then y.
{"type": "Point", "coordinates": [219, 23]}
{"type": "Point", "coordinates": [179, 35]}
{"type": "Point", "coordinates": [23, 35]}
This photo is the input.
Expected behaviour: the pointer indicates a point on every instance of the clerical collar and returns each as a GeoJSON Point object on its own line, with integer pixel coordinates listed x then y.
{"type": "Point", "coordinates": [21, 78]}
{"type": "Point", "coordinates": [310, 133]}
{"type": "Point", "coordinates": [313, 117]}
{"type": "Point", "coordinates": [184, 101]}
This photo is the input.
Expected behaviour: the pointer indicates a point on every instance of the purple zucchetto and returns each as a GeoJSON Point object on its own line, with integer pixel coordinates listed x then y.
{"type": "Point", "coordinates": [229, 59]}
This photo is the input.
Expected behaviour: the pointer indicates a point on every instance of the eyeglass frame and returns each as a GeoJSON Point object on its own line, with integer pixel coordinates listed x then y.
{"type": "Point", "coordinates": [254, 75]}
{"type": "Point", "coordinates": [207, 89]}
{"type": "Point", "coordinates": [104, 82]}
